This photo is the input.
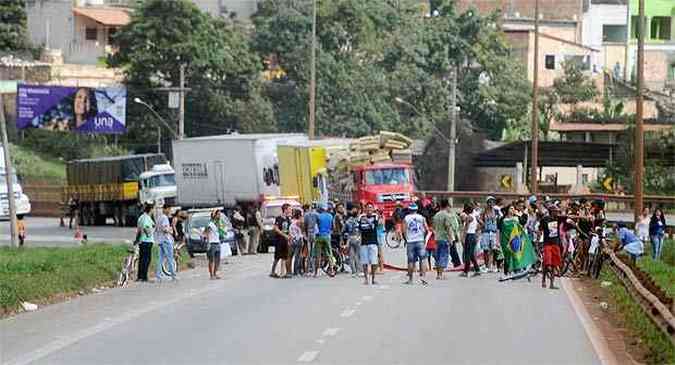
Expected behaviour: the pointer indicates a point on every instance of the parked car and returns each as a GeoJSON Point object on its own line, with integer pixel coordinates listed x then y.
{"type": "Point", "coordinates": [194, 231]}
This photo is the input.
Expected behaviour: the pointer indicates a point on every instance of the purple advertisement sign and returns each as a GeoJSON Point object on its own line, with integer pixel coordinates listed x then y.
{"type": "Point", "coordinates": [76, 109]}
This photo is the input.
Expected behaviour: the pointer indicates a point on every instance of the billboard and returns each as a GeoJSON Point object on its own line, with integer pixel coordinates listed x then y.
{"type": "Point", "coordinates": [76, 109]}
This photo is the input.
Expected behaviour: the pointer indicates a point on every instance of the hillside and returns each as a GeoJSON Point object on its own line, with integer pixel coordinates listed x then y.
{"type": "Point", "coordinates": [33, 167]}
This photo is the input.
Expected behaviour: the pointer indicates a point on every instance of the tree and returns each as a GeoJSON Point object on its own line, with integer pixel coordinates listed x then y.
{"type": "Point", "coordinates": [220, 68]}
{"type": "Point", "coordinates": [13, 26]}
{"type": "Point", "coordinates": [574, 86]}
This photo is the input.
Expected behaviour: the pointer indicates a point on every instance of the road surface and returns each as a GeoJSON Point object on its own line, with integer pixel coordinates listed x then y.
{"type": "Point", "coordinates": [249, 318]}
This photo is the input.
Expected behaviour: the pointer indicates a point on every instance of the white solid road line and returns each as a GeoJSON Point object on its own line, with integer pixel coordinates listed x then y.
{"type": "Point", "coordinates": [598, 341]}
{"type": "Point", "coordinates": [308, 356]}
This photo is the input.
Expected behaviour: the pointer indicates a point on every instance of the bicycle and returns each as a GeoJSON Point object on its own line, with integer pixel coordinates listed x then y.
{"type": "Point", "coordinates": [393, 237]}
{"type": "Point", "coordinates": [129, 266]}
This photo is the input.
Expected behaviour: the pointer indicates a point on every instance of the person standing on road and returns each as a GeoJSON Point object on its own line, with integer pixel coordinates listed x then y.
{"type": "Point", "coordinates": [550, 228]}
{"type": "Point", "coordinates": [311, 228]}
{"type": "Point", "coordinates": [165, 244]}
{"type": "Point", "coordinates": [415, 233]}
{"type": "Point", "coordinates": [240, 231]}
{"type": "Point", "coordinates": [442, 223]}
{"type": "Point", "coordinates": [367, 225]}
{"type": "Point", "coordinates": [352, 235]}
{"type": "Point", "coordinates": [323, 245]}
{"type": "Point", "coordinates": [470, 219]}
{"type": "Point", "coordinates": [657, 232]}
{"type": "Point", "coordinates": [282, 225]}
{"type": "Point", "coordinates": [212, 236]}
{"type": "Point", "coordinates": [489, 243]}
{"type": "Point", "coordinates": [144, 233]}
{"type": "Point", "coordinates": [297, 240]}
{"type": "Point", "coordinates": [255, 224]}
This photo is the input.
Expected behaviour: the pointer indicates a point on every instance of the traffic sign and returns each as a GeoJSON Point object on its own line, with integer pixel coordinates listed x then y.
{"type": "Point", "coordinates": [506, 181]}
{"type": "Point", "coordinates": [608, 184]}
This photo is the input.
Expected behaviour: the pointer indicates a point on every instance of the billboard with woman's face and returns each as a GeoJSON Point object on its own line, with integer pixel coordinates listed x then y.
{"type": "Point", "coordinates": [77, 109]}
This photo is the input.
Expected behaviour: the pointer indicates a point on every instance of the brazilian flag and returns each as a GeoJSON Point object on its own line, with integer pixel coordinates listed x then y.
{"type": "Point", "coordinates": [516, 245]}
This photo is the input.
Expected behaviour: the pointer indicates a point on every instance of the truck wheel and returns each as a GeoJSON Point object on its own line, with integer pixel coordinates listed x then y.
{"type": "Point", "coordinates": [99, 220]}
{"type": "Point", "coordinates": [129, 221]}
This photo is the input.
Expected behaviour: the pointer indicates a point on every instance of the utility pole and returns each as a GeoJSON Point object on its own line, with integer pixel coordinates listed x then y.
{"type": "Point", "coordinates": [181, 111]}
{"type": "Point", "coordinates": [312, 85]}
{"type": "Point", "coordinates": [8, 174]}
{"type": "Point", "coordinates": [452, 115]}
{"type": "Point", "coordinates": [639, 123]}
{"type": "Point", "coordinates": [535, 107]}
{"type": "Point", "coordinates": [159, 139]}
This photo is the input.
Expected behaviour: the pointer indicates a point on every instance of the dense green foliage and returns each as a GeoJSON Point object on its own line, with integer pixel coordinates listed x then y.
{"type": "Point", "coordinates": [13, 26]}
{"type": "Point", "coordinates": [373, 52]}
{"type": "Point", "coordinates": [32, 166]}
{"type": "Point", "coordinates": [221, 70]}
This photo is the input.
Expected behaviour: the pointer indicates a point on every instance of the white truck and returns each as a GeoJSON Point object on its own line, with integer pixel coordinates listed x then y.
{"type": "Point", "coordinates": [229, 169]}
{"type": "Point", "coordinates": [23, 206]}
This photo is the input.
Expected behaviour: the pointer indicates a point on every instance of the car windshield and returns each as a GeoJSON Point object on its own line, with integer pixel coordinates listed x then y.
{"type": "Point", "coordinates": [162, 180]}
{"type": "Point", "coordinates": [389, 176]}
{"type": "Point", "coordinates": [3, 178]}
{"type": "Point", "coordinates": [202, 220]}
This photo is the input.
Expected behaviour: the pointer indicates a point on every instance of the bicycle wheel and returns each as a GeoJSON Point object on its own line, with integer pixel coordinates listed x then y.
{"type": "Point", "coordinates": [393, 239]}
{"type": "Point", "coordinates": [165, 266]}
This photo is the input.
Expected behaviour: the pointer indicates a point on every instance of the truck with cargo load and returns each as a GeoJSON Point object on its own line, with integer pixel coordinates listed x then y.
{"type": "Point", "coordinates": [116, 187]}
{"type": "Point", "coordinates": [229, 170]}
{"type": "Point", "coordinates": [302, 172]}
{"type": "Point", "coordinates": [375, 169]}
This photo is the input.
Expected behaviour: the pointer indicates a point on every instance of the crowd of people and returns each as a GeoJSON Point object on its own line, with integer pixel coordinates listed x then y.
{"type": "Point", "coordinates": [553, 231]}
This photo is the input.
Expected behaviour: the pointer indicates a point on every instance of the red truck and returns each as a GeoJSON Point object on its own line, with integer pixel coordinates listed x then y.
{"type": "Point", "coordinates": [383, 184]}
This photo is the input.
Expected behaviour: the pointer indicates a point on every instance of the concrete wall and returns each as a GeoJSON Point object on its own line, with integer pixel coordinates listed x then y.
{"type": "Point", "coordinates": [549, 9]}
{"type": "Point", "coordinates": [50, 23]}
{"type": "Point", "coordinates": [489, 178]}
{"type": "Point", "coordinates": [556, 48]}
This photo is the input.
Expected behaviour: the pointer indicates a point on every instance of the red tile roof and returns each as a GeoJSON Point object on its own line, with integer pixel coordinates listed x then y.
{"type": "Point", "coordinates": [106, 16]}
{"type": "Point", "coordinates": [600, 127]}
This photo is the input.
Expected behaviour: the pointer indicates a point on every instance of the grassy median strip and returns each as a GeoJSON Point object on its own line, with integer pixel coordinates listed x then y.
{"type": "Point", "coordinates": [662, 271]}
{"type": "Point", "coordinates": [38, 275]}
{"type": "Point", "coordinates": [660, 349]}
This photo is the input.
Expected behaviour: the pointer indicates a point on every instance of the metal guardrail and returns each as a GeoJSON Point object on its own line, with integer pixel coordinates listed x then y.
{"type": "Point", "coordinates": [659, 313]}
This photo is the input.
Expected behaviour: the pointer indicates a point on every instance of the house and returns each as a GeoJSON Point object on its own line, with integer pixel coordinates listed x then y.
{"type": "Point", "coordinates": [241, 9]}
{"type": "Point", "coordinates": [605, 28]}
{"type": "Point", "coordinates": [659, 43]}
{"type": "Point", "coordinates": [80, 29]}
{"type": "Point", "coordinates": [611, 132]}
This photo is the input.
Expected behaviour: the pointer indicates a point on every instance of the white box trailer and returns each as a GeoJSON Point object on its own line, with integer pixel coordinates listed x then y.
{"type": "Point", "coordinates": [228, 169]}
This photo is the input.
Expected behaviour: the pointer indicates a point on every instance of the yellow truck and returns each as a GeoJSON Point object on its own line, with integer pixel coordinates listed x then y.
{"type": "Point", "coordinates": [302, 173]}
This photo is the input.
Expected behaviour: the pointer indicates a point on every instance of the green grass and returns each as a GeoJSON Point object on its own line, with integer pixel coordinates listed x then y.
{"type": "Point", "coordinates": [660, 349]}
{"type": "Point", "coordinates": [38, 274]}
{"type": "Point", "coordinates": [34, 166]}
{"type": "Point", "coordinates": [662, 271]}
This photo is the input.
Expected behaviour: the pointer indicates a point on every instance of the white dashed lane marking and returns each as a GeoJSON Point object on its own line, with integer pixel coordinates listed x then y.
{"type": "Point", "coordinates": [347, 313]}
{"type": "Point", "coordinates": [329, 332]}
{"type": "Point", "coordinates": [308, 356]}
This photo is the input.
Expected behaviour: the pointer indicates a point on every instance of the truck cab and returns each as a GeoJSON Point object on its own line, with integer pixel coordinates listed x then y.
{"type": "Point", "coordinates": [23, 206]}
{"type": "Point", "coordinates": [158, 185]}
{"type": "Point", "coordinates": [383, 184]}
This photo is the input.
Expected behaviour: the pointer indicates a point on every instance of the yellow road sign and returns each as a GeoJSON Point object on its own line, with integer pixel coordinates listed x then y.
{"type": "Point", "coordinates": [506, 181]}
{"type": "Point", "coordinates": [608, 184]}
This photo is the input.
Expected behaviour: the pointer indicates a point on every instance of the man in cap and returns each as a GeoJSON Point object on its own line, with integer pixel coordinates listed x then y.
{"type": "Point", "coordinates": [415, 233]}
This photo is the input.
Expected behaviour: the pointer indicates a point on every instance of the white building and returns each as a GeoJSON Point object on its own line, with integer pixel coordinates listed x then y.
{"type": "Point", "coordinates": [82, 29]}
{"type": "Point", "coordinates": [604, 27]}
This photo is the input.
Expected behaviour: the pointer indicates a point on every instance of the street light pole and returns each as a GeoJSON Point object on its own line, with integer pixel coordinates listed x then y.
{"type": "Point", "coordinates": [159, 117]}
{"type": "Point", "coordinates": [639, 122]}
{"type": "Point", "coordinates": [452, 114]}
{"type": "Point", "coordinates": [535, 106]}
{"type": "Point", "coordinates": [312, 86]}
{"type": "Point", "coordinates": [181, 111]}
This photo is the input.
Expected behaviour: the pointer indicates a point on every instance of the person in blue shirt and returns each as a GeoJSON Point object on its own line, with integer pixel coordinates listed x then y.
{"type": "Point", "coordinates": [325, 225]}
{"type": "Point", "coordinates": [629, 242]}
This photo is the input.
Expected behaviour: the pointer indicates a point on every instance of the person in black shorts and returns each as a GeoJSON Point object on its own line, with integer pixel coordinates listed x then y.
{"type": "Point", "coordinates": [282, 245]}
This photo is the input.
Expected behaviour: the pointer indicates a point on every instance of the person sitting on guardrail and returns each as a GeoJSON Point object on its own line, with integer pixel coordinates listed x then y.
{"type": "Point", "coordinates": [629, 242]}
